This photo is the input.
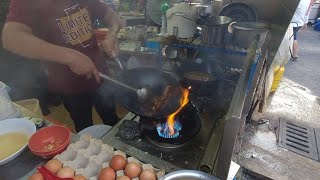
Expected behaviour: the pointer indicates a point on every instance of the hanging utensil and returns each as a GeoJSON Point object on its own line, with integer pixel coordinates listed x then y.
{"type": "Point", "coordinates": [142, 93]}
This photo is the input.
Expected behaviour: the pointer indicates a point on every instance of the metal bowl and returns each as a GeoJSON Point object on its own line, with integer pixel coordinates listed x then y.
{"type": "Point", "coordinates": [188, 175]}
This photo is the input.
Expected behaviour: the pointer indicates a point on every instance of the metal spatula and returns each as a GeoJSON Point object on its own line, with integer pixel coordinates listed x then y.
{"type": "Point", "coordinates": [142, 93]}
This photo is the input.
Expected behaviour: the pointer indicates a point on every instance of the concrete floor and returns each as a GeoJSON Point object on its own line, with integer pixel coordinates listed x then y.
{"type": "Point", "coordinates": [306, 72]}
{"type": "Point", "coordinates": [297, 99]}
{"type": "Point", "coordinates": [299, 91]}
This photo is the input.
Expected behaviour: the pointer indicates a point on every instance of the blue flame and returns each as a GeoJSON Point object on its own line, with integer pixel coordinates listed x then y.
{"type": "Point", "coordinates": [163, 130]}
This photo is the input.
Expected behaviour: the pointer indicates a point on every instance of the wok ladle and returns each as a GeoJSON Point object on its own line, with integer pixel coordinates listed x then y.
{"type": "Point", "coordinates": [142, 93]}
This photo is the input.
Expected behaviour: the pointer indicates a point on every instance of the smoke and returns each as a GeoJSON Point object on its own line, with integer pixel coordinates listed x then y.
{"type": "Point", "coordinates": [25, 78]}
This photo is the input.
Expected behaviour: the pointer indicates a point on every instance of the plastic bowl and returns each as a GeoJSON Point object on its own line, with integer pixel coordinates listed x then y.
{"type": "Point", "coordinates": [49, 140]}
{"type": "Point", "coordinates": [50, 155]}
{"type": "Point", "coordinates": [16, 125]}
{"type": "Point", "coordinates": [100, 35]}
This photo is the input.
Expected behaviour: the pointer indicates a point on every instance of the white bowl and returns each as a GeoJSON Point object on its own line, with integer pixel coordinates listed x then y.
{"type": "Point", "coordinates": [16, 125]}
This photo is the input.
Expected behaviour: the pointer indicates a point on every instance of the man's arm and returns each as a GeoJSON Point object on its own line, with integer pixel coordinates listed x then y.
{"type": "Point", "coordinates": [18, 38]}
{"type": "Point", "coordinates": [113, 20]}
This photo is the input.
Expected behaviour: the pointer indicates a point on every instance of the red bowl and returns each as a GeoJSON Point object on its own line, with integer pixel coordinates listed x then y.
{"type": "Point", "coordinates": [57, 151]}
{"type": "Point", "coordinates": [49, 140]}
{"type": "Point", "coordinates": [100, 35]}
{"type": "Point", "coordinates": [50, 155]}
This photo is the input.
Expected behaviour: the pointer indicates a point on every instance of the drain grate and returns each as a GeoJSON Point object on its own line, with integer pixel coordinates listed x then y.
{"type": "Point", "coordinates": [299, 139]}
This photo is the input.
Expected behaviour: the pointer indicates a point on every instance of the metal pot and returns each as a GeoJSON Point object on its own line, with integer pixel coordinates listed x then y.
{"type": "Point", "coordinates": [203, 9]}
{"type": "Point", "coordinates": [244, 33]}
{"type": "Point", "coordinates": [214, 29]}
{"type": "Point", "coordinates": [181, 25]}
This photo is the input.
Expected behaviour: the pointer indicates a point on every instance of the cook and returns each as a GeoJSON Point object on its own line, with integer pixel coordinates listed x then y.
{"type": "Point", "coordinates": [60, 35]}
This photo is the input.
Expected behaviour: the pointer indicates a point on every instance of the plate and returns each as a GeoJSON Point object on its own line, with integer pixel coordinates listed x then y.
{"type": "Point", "coordinates": [16, 125]}
{"type": "Point", "coordinates": [239, 12]}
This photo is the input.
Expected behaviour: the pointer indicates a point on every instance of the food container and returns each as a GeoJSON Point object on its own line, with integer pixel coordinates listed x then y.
{"type": "Point", "coordinates": [100, 34]}
{"type": "Point", "coordinates": [7, 110]}
{"type": "Point", "coordinates": [203, 10]}
{"type": "Point", "coordinates": [32, 105]}
{"type": "Point", "coordinates": [244, 33]}
{"type": "Point", "coordinates": [16, 125]}
{"type": "Point", "coordinates": [88, 156]}
{"type": "Point", "coordinates": [49, 141]}
{"type": "Point", "coordinates": [181, 21]}
{"type": "Point", "coordinates": [140, 32]}
{"type": "Point", "coordinates": [214, 29]}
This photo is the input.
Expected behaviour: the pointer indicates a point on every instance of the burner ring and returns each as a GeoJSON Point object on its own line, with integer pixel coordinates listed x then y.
{"type": "Point", "coordinates": [191, 126]}
{"type": "Point", "coordinates": [165, 145]}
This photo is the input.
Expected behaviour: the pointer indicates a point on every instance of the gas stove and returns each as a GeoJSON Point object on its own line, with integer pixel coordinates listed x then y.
{"type": "Point", "coordinates": [187, 151]}
{"type": "Point", "coordinates": [164, 154]}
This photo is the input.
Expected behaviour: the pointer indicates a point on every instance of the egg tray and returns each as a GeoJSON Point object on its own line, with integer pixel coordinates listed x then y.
{"type": "Point", "coordinates": [89, 155]}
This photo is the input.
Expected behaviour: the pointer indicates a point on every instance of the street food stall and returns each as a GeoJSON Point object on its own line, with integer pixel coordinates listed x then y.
{"type": "Point", "coordinates": [204, 71]}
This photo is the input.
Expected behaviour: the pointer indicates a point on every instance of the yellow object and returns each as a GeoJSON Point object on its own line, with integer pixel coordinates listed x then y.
{"type": "Point", "coordinates": [32, 105]}
{"type": "Point", "coordinates": [278, 72]}
{"type": "Point", "coordinates": [11, 142]}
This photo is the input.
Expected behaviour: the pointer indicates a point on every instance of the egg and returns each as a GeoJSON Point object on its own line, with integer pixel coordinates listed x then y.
{"type": "Point", "coordinates": [132, 170]}
{"type": "Point", "coordinates": [53, 165]}
{"type": "Point", "coordinates": [36, 176]}
{"type": "Point", "coordinates": [123, 178]}
{"type": "Point", "coordinates": [147, 175]}
{"type": "Point", "coordinates": [79, 177]}
{"type": "Point", "coordinates": [107, 174]}
{"type": "Point", "coordinates": [65, 172]}
{"type": "Point", "coordinates": [118, 163]}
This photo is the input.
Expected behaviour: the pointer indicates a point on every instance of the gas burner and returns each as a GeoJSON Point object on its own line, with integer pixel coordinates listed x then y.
{"type": "Point", "coordinates": [186, 127]}
{"type": "Point", "coordinates": [165, 131]}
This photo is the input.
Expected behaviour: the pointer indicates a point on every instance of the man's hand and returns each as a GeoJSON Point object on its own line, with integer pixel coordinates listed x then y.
{"type": "Point", "coordinates": [81, 64]}
{"type": "Point", "coordinates": [111, 45]}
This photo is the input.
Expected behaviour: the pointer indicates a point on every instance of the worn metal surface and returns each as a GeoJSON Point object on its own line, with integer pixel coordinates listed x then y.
{"type": "Point", "coordinates": [207, 164]}
{"type": "Point", "coordinates": [234, 116]}
{"type": "Point", "coordinates": [298, 138]}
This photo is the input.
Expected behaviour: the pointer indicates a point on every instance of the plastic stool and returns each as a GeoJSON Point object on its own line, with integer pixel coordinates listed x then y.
{"type": "Point", "coordinates": [96, 131]}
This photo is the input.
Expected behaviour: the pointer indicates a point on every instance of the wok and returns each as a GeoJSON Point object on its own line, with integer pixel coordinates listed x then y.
{"type": "Point", "coordinates": [200, 76]}
{"type": "Point", "coordinates": [156, 81]}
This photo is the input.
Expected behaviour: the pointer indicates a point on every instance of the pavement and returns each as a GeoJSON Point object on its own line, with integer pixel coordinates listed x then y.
{"type": "Point", "coordinates": [297, 99]}
{"type": "Point", "coordinates": [298, 96]}
{"type": "Point", "coordinates": [306, 71]}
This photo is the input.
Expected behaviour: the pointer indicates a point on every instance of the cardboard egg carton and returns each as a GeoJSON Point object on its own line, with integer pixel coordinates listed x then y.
{"type": "Point", "coordinates": [89, 155]}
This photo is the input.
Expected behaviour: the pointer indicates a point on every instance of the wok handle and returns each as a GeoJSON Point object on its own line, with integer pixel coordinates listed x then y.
{"type": "Point", "coordinates": [104, 76]}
